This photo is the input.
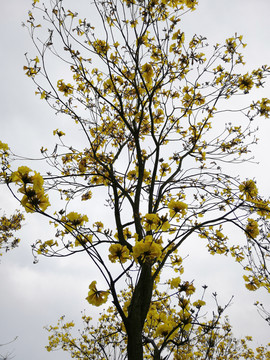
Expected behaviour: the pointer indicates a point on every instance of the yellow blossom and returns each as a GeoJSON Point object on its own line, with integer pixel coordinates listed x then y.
{"type": "Point", "coordinates": [175, 282]}
{"type": "Point", "coordinates": [199, 303]}
{"type": "Point", "coordinates": [73, 220]}
{"type": "Point", "coordinates": [177, 207]}
{"type": "Point", "coordinates": [76, 219]}
{"type": "Point", "coordinates": [4, 147]}
{"type": "Point", "coordinates": [252, 283]}
{"type": "Point", "coordinates": [67, 89]}
{"type": "Point", "coordinates": [164, 169]}
{"type": "Point", "coordinates": [164, 329]}
{"type": "Point", "coordinates": [245, 82]}
{"type": "Point", "coordinates": [58, 132]}
{"type": "Point", "coordinates": [249, 189]}
{"type": "Point", "coordinates": [151, 222]}
{"type": "Point", "coordinates": [96, 297]}
{"type": "Point", "coordinates": [22, 175]}
{"type": "Point", "coordinates": [252, 229]}
{"type": "Point", "coordinates": [33, 200]}
{"type": "Point", "coordinates": [164, 224]}
{"type": "Point", "coordinates": [188, 288]}
{"type": "Point", "coordinates": [147, 72]}
{"type": "Point", "coordinates": [118, 253]}
{"type": "Point", "coordinates": [147, 250]}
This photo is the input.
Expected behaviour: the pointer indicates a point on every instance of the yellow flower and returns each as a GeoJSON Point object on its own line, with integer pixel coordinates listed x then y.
{"type": "Point", "coordinates": [245, 82]}
{"type": "Point", "coordinates": [3, 146]}
{"type": "Point", "coordinates": [76, 219]}
{"type": "Point", "coordinates": [175, 282]}
{"type": "Point", "coordinates": [33, 200]}
{"type": "Point", "coordinates": [96, 180]}
{"type": "Point", "coordinates": [37, 181]}
{"type": "Point", "coordinates": [262, 208]}
{"type": "Point", "coordinates": [86, 196]}
{"type": "Point", "coordinates": [147, 250]}
{"type": "Point", "coordinates": [188, 288]}
{"type": "Point", "coordinates": [164, 329]}
{"type": "Point", "coordinates": [164, 169]}
{"type": "Point", "coordinates": [164, 224]}
{"type": "Point", "coordinates": [147, 72]}
{"type": "Point", "coordinates": [249, 189]}
{"type": "Point", "coordinates": [83, 239]}
{"type": "Point", "coordinates": [199, 303]}
{"type": "Point", "coordinates": [151, 222]}
{"type": "Point", "coordinates": [252, 283]}
{"type": "Point", "coordinates": [132, 175]}
{"type": "Point", "coordinates": [96, 297]}
{"type": "Point", "coordinates": [73, 219]}
{"type": "Point", "coordinates": [22, 175]}
{"type": "Point", "coordinates": [65, 88]}
{"type": "Point", "coordinates": [58, 132]}
{"type": "Point", "coordinates": [118, 252]}
{"type": "Point", "coordinates": [101, 47]}
{"type": "Point", "coordinates": [177, 207]}
{"type": "Point", "coordinates": [98, 225]}
{"type": "Point", "coordinates": [252, 229]}
{"type": "Point", "coordinates": [264, 108]}
{"type": "Point", "coordinates": [191, 4]}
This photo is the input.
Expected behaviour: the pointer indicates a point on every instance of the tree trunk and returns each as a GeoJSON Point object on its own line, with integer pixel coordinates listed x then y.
{"type": "Point", "coordinates": [134, 345]}
{"type": "Point", "coordinates": [137, 313]}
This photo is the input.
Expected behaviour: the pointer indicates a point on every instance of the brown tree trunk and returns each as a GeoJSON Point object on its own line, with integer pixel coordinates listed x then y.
{"type": "Point", "coordinates": [137, 313]}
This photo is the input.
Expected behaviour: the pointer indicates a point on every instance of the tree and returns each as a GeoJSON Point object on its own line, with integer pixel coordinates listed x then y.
{"type": "Point", "coordinates": [211, 340]}
{"type": "Point", "coordinates": [150, 107]}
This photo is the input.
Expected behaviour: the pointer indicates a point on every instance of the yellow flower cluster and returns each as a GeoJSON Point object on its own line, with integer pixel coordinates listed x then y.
{"type": "Point", "coordinates": [58, 132]}
{"type": "Point", "coordinates": [147, 73]}
{"type": "Point", "coordinates": [177, 208]}
{"type": "Point", "coordinates": [3, 148]}
{"type": "Point", "coordinates": [252, 229]}
{"type": "Point", "coordinates": [249, 190]}
{"type": "Point", "coordinates": [66, 89]}
{"type": "Point", "coordinates": [155, 222]}
{"type": "Point", "coordinates": [34, 198]}
{"type": "Point", "coordinates": [96, 297]}
{"type": "Point", "coordinates": [118, 253]}
{"type": "Point", "coordinates": [101, 47]}
{"type": "Point", "coordinates": [245, 82]}
{"type": "Point", "coordinates": [262, 106]}
{"type": "Point", "coordinates": [73, 220]}
{"type": "Point", "coordinates": [7, 226]}
{"type": "Point", "coordinates": [180, 38]}
{"type": "Point", "coordinates": [147, 250]}
{"type": "Point", "coordinates": [252, 283]}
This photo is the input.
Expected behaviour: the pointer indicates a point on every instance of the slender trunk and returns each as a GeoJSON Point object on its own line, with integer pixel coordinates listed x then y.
{"type": "Point", "coordinates": [137, 312]}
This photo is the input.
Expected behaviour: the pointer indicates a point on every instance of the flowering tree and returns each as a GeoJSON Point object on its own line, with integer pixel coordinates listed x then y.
{"type": "Point", "coordinates": [149, 105]}
{"type": "Point", "coordinates": [210, 340]}
{"type": "Point", "coordinates": [8, 225]}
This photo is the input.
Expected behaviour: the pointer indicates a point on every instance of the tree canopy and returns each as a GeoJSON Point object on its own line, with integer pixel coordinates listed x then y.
{"type": "Point", "coordinates": [156, 146]}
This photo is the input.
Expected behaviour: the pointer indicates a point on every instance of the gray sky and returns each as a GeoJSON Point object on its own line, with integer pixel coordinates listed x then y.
{"type": "Point", "coordinates": [33, 296]}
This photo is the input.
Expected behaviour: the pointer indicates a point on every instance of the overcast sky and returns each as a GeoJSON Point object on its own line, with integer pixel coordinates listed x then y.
{"type": "Point", "coordinates": [33, 296]}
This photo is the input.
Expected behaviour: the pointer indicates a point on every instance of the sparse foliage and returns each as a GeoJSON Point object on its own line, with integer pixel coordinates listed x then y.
{"type": "Point", "coordinates": [150, 107]}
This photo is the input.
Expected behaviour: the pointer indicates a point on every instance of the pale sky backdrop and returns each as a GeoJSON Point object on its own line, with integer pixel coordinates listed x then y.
{"type": "Point", "coordinates": [33, 296]}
